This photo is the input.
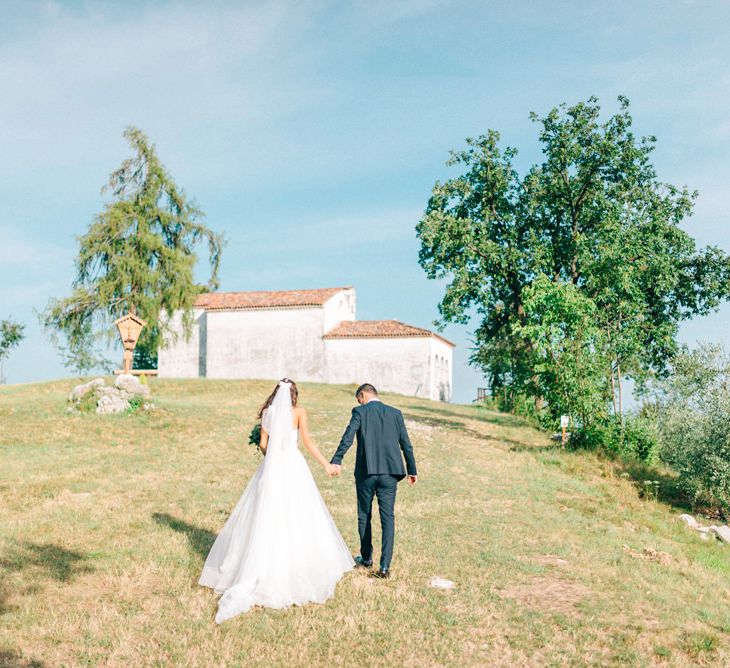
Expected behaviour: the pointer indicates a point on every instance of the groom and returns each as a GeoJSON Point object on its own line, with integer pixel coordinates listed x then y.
{"type": "Point", "coordinates": [381, 435]}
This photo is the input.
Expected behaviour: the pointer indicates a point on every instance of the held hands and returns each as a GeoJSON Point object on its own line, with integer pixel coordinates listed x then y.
{"type": "Point", "coordinates": [333, 470]}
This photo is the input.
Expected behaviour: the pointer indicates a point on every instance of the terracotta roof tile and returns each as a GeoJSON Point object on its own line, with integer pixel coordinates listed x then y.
{"type": "Point", "coordinates": [379, 329]}
{"type": "Point", "coordinates": [225, 301]}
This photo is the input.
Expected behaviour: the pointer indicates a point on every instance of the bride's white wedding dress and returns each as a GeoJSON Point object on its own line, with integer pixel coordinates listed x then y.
{"type": "Point", "coordinates": [280, 546]}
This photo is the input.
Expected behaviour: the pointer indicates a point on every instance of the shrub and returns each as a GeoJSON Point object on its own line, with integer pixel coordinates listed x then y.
{"type": "Point", "coordinates": [636, 440]}
{"type": "Point", "coordinates": [694, 424]}
{"type": "Point", "coordinates": [640, 440]}
{"type": "Point", "coordinates": [594, 436]}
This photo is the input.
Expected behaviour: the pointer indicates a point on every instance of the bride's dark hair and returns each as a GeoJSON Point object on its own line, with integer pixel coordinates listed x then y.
{"type": "Point", "coordinates": [293, 390]}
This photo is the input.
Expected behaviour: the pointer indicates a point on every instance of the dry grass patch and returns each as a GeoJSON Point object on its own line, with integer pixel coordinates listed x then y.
{"type": "Point", "coordinates": [549, 594]}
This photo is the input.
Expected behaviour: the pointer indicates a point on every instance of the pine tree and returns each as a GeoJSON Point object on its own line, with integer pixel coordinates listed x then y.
{"type": "Point", "coordinates": [138, 256]}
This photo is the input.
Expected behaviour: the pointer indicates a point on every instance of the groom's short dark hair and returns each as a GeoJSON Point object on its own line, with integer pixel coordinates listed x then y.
{"type": "Point", "coordinates": [365, 387]}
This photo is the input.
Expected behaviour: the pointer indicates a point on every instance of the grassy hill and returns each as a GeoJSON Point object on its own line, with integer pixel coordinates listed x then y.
{"type": "Point", "coordinates": [105, 523]}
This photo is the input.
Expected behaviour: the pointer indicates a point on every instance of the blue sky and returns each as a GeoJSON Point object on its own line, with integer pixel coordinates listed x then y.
{"type": "Point", "coordinates": [311, 133]}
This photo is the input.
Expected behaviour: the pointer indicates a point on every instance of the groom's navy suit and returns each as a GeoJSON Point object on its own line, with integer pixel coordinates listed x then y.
{"type": "Point", "coordinates": [381, 437]}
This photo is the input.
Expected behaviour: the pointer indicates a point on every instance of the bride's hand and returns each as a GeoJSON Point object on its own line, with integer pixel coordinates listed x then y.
{"type": "Point", "coordinates": [331, 469]}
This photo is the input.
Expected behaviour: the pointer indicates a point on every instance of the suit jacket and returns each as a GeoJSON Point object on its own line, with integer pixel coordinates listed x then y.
{"type": "Point", "coordinates": [381, 437]}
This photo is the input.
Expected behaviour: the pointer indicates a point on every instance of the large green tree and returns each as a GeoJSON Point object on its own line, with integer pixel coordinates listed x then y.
{"type": "Point", "coordinates": [594, 214]}
{"type": "Point", "coordinates": [138, 256]}
{"type": "Point", "coordinates": [11, 334]}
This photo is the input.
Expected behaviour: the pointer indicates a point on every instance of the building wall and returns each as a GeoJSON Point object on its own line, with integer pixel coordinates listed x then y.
{"type": "Point", "coordinates": [441, 370]}
{"type": "Point", "coordinates": [266, 343]}
{"type": "Point", "coordinates": [391, 364]}
{"type": "Point", "coordinates": [340, 307]}
{"type": "Point", "coordinates": [278, 342]}
{"type": "Point", "coordinates": [184, 358]}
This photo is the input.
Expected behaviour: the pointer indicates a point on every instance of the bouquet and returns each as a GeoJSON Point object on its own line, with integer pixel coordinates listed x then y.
{"type": "Point", "coordinates": [254, 438]}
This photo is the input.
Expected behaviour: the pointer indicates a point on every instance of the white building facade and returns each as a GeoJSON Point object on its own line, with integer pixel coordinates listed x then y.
{"type": "Point", "coordinates": [307, 335]}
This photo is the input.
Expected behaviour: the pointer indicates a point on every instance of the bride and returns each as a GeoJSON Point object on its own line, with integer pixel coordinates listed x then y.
{"type": "Point", "coordinates": [280, 545]}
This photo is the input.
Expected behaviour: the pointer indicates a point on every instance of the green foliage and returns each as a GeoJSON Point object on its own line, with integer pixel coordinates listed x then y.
{"type": "Point", "coordinates": [81, 355]}
{"type": "Point", "coordinates": [11, 334]}
{"type": "Point", "coordinates": [567, 350]}
{"type": "Point", "coordinates": [524, 406]}
{"type": "Point", "coordinates": [639, 440]}
{"type": "Point", "coordinates": [87, 403]}
{"type": "Point", "coordinates": [592, 215]}
{"type": "Point", "coordinates": [694, 423]}
{"type": "Point", "coordinates": [138, 256]}
{"type": "Point", "coordinates": [136, 403]}
{"type": "Point", "coordinates": [634, 438]}
{"type": "Point", "coordinates": [144, 359]}
{"type": "Point", "coordinates": [254, 438]}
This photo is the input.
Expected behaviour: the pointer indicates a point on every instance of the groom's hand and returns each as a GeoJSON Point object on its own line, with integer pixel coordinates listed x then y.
{"type": "Point", "coordinates": [412, 480]}
{"type": "Point", "coordinates": [336, 469]}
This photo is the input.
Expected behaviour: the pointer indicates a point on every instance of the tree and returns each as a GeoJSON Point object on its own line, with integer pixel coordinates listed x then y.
{"type": "Point", "coordinates": [568, 348]}
{"type": "Point", "coordinates": [592, 214]}
{"type": "Point", "coordinates": [692, 409]}
{"type": "Point", "coordinates": [138, 256]}
{"type": "Point", "coordinates": [11, 334]}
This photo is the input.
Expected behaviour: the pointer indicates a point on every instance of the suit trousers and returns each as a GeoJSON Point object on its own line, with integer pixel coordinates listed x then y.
{"type": "Point", "coordinates": [384, 486]}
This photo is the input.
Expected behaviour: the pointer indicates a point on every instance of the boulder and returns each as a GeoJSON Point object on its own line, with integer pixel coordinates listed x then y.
{"type": "Point", "coordinates": [80, 391]}
{"type": "Point", "coordinates": [689, 521]}
{"type": "Point", "coordinates": [130, 384]}
{"type": "Point", "coordinates": [104, 399]}
{"type": "Point", "coordinates": [111, 400]}
{"type": "Point", "coordinates": [723, 533]}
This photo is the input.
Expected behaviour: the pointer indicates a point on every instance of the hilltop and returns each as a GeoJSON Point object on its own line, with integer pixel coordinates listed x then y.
{"type": "Point", "coordinates": [105, 522]}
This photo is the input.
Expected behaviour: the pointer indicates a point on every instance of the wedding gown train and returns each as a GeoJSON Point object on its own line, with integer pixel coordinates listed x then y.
{"type": "Point", "coordinates": [280, 545]}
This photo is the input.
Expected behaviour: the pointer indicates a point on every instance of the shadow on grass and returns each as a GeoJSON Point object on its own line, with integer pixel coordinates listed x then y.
{"type": "Point", "coordinates": [201, 540]}
{"type": "Point", "coordinates": [4, 606]}
{"type": "Point", "coordinates": [461, 428]}
{"type": "Point", "coordinates": [525, 447]}
{"type": "Point", "coordinates": [11, 659]}
{"type": "Point", "coordinates": [668, 489]}
{"type": "Point", "coordinates": [57, 562]}
{"type": "Point", "coordinates": [478, 413]}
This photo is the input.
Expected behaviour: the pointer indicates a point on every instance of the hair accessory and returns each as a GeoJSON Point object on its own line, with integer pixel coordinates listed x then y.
{"type": "Point", "coordinates": [284, 383]}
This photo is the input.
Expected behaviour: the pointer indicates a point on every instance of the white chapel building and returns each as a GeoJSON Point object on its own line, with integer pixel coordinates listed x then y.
{"type": "Point", "coordinates": [308, 335]}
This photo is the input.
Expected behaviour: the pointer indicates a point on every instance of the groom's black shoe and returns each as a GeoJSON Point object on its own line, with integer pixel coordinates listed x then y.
{"type": "Point", "coordinates": [381, 574]}
{"type": "Point", "coordinates": [361, 563]}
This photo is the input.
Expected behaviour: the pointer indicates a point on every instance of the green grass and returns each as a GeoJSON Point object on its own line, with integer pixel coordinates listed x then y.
{"type": "Point", "coordinates": [105, 523]}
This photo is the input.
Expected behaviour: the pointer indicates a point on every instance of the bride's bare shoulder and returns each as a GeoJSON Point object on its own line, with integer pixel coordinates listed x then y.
{"type": "Point", "coordinates": [300, 410]}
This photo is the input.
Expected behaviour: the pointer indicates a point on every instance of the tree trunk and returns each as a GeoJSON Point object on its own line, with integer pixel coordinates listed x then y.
{"type": "Point", "coordinates": [620, 393]}
{"type": "Point", "coordinates": [613, 388]}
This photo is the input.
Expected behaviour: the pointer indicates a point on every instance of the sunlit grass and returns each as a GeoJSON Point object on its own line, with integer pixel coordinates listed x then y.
{"type": "Point", "coordinates": [105, 523]}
